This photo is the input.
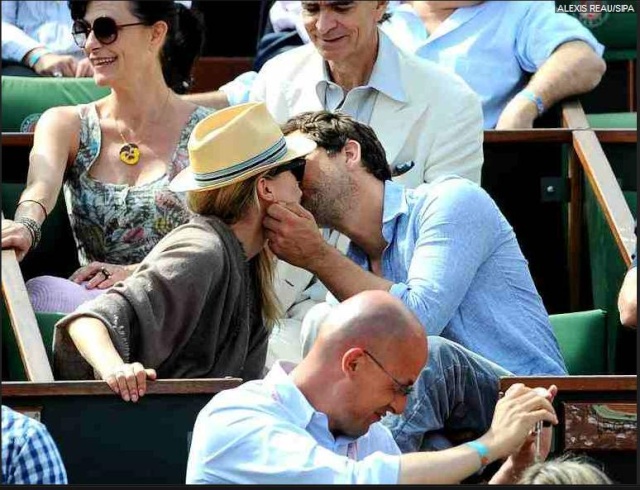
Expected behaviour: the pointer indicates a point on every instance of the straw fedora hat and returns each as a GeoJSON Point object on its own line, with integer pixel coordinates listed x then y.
{"type": "Point", "coordinates": [234, 144]}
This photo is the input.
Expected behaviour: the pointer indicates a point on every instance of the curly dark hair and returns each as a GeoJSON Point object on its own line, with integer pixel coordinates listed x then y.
{"type": "Point", "coordinates": [332, 130]}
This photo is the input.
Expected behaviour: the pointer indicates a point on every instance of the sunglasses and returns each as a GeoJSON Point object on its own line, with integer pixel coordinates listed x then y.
{"type": "Point", "coordinates": [104, 29]}
{"type": "Point", "coordinates": [402, 388]}
{"type": "Point", "coordinates": [295, 166]}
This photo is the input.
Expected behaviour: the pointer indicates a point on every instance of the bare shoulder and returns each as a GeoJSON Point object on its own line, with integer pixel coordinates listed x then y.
{"type": "Point", "coordinates": [61, 119]}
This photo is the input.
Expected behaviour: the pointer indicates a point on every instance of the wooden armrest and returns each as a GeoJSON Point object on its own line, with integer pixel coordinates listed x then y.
{"type": "Point", "coordinates": [17, 139]}
{"type": "Point", "coordinates": [75, 388]}
{"type": "Point", "coordinates": [575, 383]}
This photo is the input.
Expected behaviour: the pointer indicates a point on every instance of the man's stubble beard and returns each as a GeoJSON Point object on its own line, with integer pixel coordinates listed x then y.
{"type": "Point", "coordinates": [328, 204]}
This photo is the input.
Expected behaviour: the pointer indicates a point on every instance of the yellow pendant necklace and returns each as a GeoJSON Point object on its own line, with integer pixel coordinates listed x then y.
{"type": "Point", "coordinates": [130, 152]}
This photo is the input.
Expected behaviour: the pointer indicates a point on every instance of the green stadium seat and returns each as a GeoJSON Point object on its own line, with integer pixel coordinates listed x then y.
{"type": "Point", "coordinates": [615, 30]}
{"type": "Point", "coordinates": [13, 365]}
{"type": "Point", "coordinates": [24, 99]}
{"type": "Point", "coordinates": [583, 341]}
{"type": "Point", "coordinates": [614, 120]}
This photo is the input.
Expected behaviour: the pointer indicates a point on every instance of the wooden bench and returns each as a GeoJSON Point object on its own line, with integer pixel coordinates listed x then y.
{"type": "Point", "coordinates": [211, 72]}
{"type": "Point", "coordinates": [597, 417]}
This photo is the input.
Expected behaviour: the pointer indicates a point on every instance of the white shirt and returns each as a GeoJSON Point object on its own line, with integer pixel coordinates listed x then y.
{"type": "Point", "coordinates": [267, 432]}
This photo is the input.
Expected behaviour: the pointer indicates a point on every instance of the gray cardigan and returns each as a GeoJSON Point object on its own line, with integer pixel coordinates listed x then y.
{"type": "Point", "coordinates": [191, 309]}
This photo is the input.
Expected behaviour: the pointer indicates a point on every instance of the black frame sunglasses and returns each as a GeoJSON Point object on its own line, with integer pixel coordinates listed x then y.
{"type": "Point", "coordinates": [105, 29]}
{"type": "Point", "coordinates": [402, 388]}
{"type": "Point", "coordinates": [295, 166]}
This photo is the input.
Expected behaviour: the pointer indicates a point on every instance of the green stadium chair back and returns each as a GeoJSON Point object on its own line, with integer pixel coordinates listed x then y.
{"type": "Point", "coordinates": [24, 99]}
{"type": "Point", "coordinates": [582, 337]}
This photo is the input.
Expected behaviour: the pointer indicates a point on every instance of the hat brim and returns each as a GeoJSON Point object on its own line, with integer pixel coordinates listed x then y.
{"type": "Point", "coordinates": [297, 146]}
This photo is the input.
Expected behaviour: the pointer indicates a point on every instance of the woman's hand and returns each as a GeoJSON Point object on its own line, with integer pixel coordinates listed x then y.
{"type": "Point", "coordinates": [100, 274]}
{"type": "Point", "coordinates": [16, 236]}
{"type": "Point", "coordinates": [129, 380]}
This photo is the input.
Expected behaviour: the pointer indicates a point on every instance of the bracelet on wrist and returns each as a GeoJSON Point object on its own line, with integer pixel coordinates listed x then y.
{"type": "Point", "coordinates": [35, 55]}
{"type": "Point", "coordinates": [33, 227]}
{"type": "Point", "coordinates": [44, 209]}
{"type": "Point", "coordinates": [482, 450]}
{"type": "Point", "coordinates": [529, 95]}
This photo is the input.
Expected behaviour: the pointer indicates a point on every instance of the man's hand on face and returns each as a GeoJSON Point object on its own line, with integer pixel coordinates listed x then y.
{"type": "Point", "coordinates": [294, 235]}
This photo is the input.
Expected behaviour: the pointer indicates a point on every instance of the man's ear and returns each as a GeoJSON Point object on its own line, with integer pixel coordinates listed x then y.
{"type": "Point", "coordinates": [353, 154]}
{"type": "Point", "coordinates": [265, 188]}
{"type": "Point", "coordinates": [351, 361]}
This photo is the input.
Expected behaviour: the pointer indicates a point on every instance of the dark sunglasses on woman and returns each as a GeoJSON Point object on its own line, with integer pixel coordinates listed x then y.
{"type": "Point", "coordinates": [295, 166]}
{"type": "Point", "coordinates": [104, 29]}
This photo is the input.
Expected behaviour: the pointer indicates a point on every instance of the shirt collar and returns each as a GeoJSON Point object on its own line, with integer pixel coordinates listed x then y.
{"type": "Point", "coordinates": [394, 204]}
{"type": "Point", "coordinates": [388, 61]}
{"type": "Point", "coordinates": [287, 394]}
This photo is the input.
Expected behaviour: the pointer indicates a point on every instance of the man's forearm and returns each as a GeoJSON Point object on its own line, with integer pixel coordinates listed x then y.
{"type": "Point", "coordinates": [216, 99]}
{"type": "Point", "coordinates": [573, 68]}
{"type": "Point", "coordinates": [343, 277]}
{"type": "Point", "coordinates": [443, 467]}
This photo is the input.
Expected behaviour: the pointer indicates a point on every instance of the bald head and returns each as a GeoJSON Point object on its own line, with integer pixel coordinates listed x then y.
{"type": "Point", "coordinates": [374, 320]}
{"type": "Point", "coordinates": [369, 350]}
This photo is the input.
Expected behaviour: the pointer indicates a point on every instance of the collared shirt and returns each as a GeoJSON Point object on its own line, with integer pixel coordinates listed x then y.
{"type": "Point", "coordinates": [28, 25]}
{"type": "Point", "coordinates": [359, 101]}
{"type": "Point", "coordinates": [455, 262]}
{"type": "Point", "coordinates": [267, 432]}
{"type": "Point", "coordinates": [493, 46]}
{"type": "Point", "coordinates": [29, 455]}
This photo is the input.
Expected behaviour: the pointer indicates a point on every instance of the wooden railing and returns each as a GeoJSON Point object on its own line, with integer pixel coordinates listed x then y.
{"type": "Point", "coordinates": [587, 156]}
{"type": "Point", "coordinates": [23, 320]}
{"type": "Point", "coordinates": [20, 389]}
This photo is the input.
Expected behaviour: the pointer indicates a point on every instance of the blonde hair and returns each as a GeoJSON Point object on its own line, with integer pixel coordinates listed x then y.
{"type": "Point", "coordinates": [230, 204]}
{"type": "Point", "coordinates": [565, 470]}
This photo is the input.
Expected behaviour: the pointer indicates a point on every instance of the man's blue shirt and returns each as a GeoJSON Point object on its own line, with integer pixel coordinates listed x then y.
{"type": "Point", "coordinates": [457, 265]}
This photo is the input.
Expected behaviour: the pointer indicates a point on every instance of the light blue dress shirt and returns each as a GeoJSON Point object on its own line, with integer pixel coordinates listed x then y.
{"type": "Point", "coordinates": [493, 46]}
{"type": "Point", "coordinates": [28, 25]}
{"type": "Point", "coordinates": [266, 432]}
{"type": "Point", "coordinates": [457, 265]}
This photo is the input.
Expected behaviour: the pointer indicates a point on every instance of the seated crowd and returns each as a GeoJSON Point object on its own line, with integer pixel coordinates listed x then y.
{"type": "Point", "coordinates": [317, 229]}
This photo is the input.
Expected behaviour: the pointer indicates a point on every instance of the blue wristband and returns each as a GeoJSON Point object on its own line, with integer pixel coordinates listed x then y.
{"type": "Point", "coordinates": [482, 451]}
{"type": "Point", "coordinates": [528, 94]}
{"type": "Point", "coordinates": [33, 58]}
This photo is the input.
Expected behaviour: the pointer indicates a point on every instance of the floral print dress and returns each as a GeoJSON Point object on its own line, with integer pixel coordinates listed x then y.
{"type": "Point", "coordinates": [118, 223]}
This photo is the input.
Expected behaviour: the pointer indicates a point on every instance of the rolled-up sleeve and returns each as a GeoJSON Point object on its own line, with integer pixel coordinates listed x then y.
{"type": "Point", "coordinates": [458, 229]}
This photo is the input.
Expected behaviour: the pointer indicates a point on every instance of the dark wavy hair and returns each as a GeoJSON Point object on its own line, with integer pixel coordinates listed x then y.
{"type": "Point", "coordinates": [184, 42]}
{"type": "Point", "coordinates": [331, 130]}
